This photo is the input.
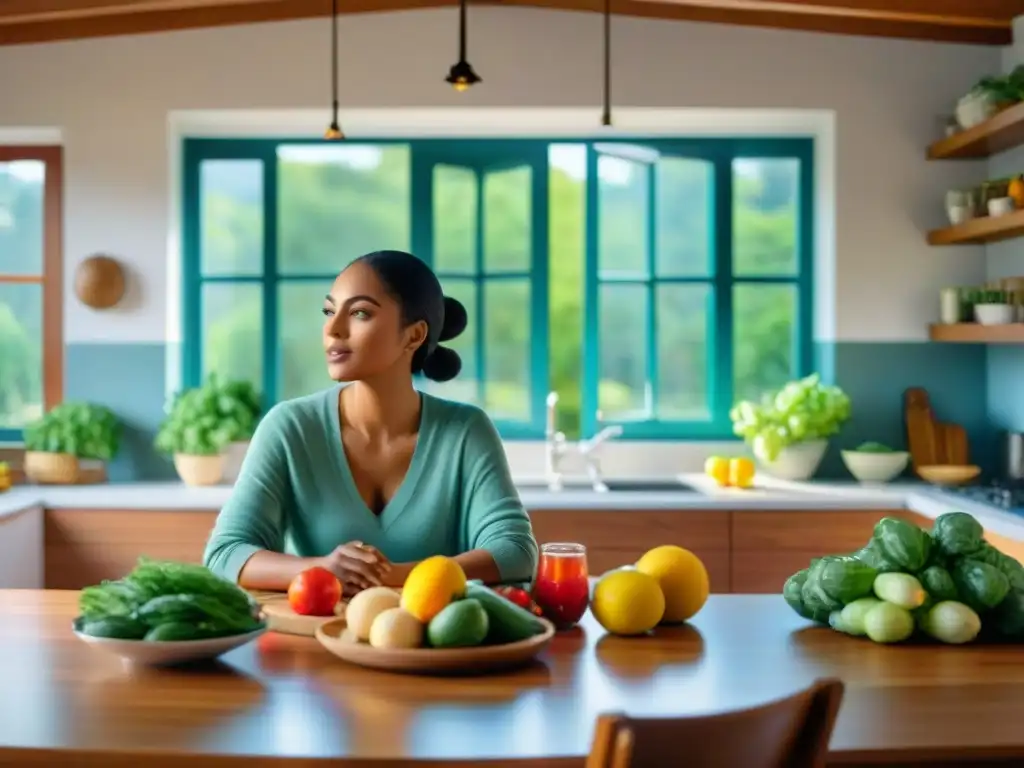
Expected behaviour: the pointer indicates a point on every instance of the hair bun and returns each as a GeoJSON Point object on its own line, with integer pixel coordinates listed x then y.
{"type": "Point", "coordinates": [455, 319]}
{"type": "Point", "coordinates": [443, 364]}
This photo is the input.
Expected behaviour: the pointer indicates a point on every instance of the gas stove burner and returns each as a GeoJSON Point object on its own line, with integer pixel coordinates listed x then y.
{"type": "Point", "coordinates": [1005, 494]}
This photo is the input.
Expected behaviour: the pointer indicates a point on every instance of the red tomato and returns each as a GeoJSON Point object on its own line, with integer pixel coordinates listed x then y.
{"type": "Point", "coordinates": [314, 592]}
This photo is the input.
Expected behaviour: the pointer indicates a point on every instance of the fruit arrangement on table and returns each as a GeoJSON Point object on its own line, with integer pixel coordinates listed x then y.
{"type": "Point", "coordinates": [947, 585]}
{"type": "Point", "coordinates": [167, 611]}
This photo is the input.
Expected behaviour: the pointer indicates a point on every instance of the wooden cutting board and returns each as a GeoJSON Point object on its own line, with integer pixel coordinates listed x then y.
{"type": "Point", "coordinates": [281, 617]}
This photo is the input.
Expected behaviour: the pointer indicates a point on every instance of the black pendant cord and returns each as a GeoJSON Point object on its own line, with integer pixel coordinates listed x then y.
{"type": "Point", "coordinates": [462, 31]}
{"type": "Point", "coordinates": [606, 117]}
{"type": "Point", "coordinates": [334, 129]}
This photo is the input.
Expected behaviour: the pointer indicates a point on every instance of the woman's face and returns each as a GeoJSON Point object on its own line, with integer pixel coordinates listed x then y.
{"type": "Point", "coordinates": [363, 333]}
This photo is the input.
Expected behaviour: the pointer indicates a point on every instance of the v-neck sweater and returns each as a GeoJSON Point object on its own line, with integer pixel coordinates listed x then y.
{"type": "Point", "coordinates": [295, 492]}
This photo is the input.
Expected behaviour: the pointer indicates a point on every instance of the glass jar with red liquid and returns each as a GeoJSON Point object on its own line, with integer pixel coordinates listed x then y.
{"type": "Point", "coordinates": [562, 588]}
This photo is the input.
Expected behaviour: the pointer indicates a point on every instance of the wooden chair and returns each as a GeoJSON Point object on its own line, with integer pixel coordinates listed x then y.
{"type": "Point", "coordinates": [787, 733]}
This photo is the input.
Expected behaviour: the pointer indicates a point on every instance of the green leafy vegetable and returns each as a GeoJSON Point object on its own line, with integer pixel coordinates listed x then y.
{"type": "Point", "coordinates": [957, 533]}
{"type": "Point", "coordinates": [82, 429]}
{"type": "Point", "coordinates": [160, 593]}
{"type": "Point", "coordinates": [873, 447]}
{"type": "Point", "coordinates": [938, 583]}
{"type": "Point", "coordinates": [980, 585]}
{"type": "Point", "coordinates": [1007, 619]}
{"type": "Point", "coordinates": [801, 411]}
{"type": "Point", "coordinates": [792, 592]}
{"type": "Point", "coordinates": [903, 544]}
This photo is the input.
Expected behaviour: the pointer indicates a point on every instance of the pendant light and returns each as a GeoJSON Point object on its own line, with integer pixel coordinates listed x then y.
{"type": "Point", "coordinates": [606, 115]}
{"type": "Point", "coordinates": [461, 76]}
{"type": "Point", "coordinates": [333, 131]}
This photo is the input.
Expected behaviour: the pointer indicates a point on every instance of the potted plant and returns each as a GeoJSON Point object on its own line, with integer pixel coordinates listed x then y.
{"type": "Point", "coordinates": [240, 401]}
{"type": "Point", "coordinates": [57, 443]}
{"type": "Point", "coordinates": [201, 423]}
{"type": "Point", "coordinates": [789, 430]}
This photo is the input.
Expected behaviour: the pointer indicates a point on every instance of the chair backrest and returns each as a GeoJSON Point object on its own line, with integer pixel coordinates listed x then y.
{"type": "Point", "coordinates": [793, 732]}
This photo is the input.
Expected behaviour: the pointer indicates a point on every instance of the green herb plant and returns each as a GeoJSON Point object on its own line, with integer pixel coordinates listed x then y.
{"type": "Point", "coordinates": [802, 411]}
{"type": "Point", "coordinates": [204, 420]}
{"type": "Point", "coordinates": [84, 430]}
{"type": "Point", "coordinates": [1004, 89]}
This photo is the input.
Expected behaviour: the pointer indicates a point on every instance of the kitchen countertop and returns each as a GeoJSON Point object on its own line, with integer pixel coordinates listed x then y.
{"type": "Point", "coordinates": [285, 698]}
{"type": "Point", "coordinates": [768, 494]}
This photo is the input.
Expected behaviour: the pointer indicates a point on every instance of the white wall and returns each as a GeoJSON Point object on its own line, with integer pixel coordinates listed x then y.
{"type": "Point", "coordinates": [111, 99]}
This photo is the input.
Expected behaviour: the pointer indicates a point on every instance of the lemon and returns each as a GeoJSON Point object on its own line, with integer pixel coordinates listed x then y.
{"type": "Point", "coordinates": [683, 580]}
{"type": "Point", "coordinates": [431, 585]}
{"type": "Point", "coordinates": [741, 472]}
{"type": "Point", "coordinates": [717, 468]}
{"type": "Point", "coordinates": [627, 602]}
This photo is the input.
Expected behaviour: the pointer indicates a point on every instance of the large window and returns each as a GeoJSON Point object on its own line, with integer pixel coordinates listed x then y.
{"type": "Point", "coordinates": [31, 351]}
{"type": "Point", "coordinates": [650, 283]}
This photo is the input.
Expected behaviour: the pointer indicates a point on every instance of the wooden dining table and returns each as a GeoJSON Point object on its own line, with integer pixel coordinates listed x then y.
{"type": "Point", "coordinates": [285, 700]}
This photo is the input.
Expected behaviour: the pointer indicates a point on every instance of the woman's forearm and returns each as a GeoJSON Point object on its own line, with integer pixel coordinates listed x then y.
{"type": "Point", "coordinates": [273, 571]}
{"type": "Point", "coordinates": [476, 564]}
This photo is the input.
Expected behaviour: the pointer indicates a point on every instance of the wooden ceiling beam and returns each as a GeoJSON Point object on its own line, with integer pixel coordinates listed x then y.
{"type": "Point", "coordinates": [936, 20]}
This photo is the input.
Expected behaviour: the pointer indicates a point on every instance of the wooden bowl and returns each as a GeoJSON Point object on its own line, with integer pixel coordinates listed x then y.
{"type": "Point", "coordinates": [949, 474]}
{"type": "Point", "coordinates": [335, 637]}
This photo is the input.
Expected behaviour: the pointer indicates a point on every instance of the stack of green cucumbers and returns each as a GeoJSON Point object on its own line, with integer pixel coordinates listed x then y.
{"type": "Point", "coordinates": [166, 601]}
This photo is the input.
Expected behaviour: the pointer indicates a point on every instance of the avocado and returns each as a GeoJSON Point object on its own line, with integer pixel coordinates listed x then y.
{"type": "Point", "coordinates": [462, 624]}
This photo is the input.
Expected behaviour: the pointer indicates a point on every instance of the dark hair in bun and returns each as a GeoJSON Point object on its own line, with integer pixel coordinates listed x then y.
{"type": "Point", "coordinates": [418, 292]}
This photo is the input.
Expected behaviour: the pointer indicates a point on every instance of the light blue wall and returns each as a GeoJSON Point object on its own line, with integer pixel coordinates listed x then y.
{"type": "Point", "coordinates": [130, 379]}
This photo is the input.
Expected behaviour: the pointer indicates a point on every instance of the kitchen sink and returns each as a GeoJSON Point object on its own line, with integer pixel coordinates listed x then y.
{"type": "Point", "coordinates": [617, 486]}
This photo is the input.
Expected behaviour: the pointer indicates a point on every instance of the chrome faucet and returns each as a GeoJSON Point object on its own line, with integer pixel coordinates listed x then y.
{"type": "Point", "coordinates": [556, 446]}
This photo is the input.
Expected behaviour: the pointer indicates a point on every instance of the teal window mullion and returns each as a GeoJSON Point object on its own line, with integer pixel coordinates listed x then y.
{"type": "Point", "coordinates": [271, 347]}
{"type": "Point", "coordinates": [589, 396]}
{"type": "Point", "coordinates": [721, 353]}
{"type": "Point", "coordinates": [651, 321]}
{"type": "Point", "coordinates": [480, 281]}
{"type": "Point", "coordinates": [805, 263]}
{"type": "Point", "coordinates": [192, 289]}
{"type": "Point", "coordinates": [540, 347]}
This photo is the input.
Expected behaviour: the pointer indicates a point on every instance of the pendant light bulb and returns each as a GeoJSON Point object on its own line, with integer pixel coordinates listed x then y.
{"type": "Point", "coordinates": [461, 75]}
{"type": "Point", "coordinates": [333, 132]}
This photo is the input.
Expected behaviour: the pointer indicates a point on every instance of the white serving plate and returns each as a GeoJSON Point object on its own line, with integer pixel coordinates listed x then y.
{"type": "Point", "coordinates": [162, 653]}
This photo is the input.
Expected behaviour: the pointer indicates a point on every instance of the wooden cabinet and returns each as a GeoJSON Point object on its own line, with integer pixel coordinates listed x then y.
{"type": "Point", "coordinates": [744, 551]}
{"type": "Point", "coordinates": [769, 546]}
{"type": "Point", "coordinates": [85, 546]}
{"type": "Point", "coordinates": [619, 537]}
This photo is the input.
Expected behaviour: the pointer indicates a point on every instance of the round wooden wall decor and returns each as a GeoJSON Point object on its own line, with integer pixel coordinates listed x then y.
{"type": "Point", "coordinates": [99, 282]}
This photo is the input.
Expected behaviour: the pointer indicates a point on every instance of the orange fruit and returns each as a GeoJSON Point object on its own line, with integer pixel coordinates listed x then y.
{"type": "Point", "coordinates": [1016, 191]}
{"type": "Point", "coordinates": [683, 579]}
{"type": "Point", "coordinates": [431, 585]}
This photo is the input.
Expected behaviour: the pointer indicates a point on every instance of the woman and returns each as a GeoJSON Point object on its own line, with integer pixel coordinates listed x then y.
{"type": "Point", "coordinates": [368, 478]}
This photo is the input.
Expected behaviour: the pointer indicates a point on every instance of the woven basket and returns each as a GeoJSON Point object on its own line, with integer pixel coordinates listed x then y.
{"type": "Point", "coordinates": [51, 468]}
{"type": "Point", "coordinates": [199, 470]}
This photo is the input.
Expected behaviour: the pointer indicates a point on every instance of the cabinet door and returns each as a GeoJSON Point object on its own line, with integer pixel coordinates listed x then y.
{"type": "Point", "coordinates": [614, 538]}
{"type": "Point", "coordinates": [86, 546]}
{"type": "Point", "coordinates": [768, 547]}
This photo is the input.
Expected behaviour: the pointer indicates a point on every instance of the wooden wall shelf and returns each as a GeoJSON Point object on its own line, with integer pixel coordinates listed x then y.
{"type": "Point", "coordinates": [975, 333]}
{"type": "Point", "coordinates": [984, 229]}
{"type": "Point", "coordinates": [1003, 131]}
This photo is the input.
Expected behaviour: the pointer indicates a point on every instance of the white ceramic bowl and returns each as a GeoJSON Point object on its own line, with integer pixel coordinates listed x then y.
{"type": "Point", "coordinates": [994, 314]}
{"type": "Point", "coordinates": [1000, 206]}
{"type": "Point", "coordinates": [165, 653]}
{"type": "Point", "coordinates": [870, 467]}
{"type": "Point", "coordinates": [796, 462]}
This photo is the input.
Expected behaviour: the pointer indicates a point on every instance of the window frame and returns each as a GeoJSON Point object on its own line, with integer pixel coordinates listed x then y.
{"type": "Point", "coordinates": [720, 152]}
{"type": "Point", "coordinates": [264, 150]}
{"type": "Point", "coordinates": [52, 276]}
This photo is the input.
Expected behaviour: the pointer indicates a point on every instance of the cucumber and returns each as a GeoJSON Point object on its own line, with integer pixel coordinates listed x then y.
{"type": "Point", "coordinates": [114, 627]}
{"type": "Point", "coordinates": [177, 631]}
{"type": "Point", "coordinates": [508, 623]}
